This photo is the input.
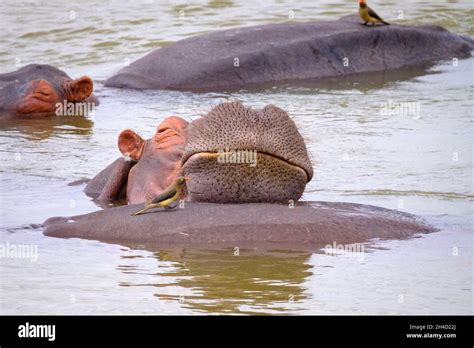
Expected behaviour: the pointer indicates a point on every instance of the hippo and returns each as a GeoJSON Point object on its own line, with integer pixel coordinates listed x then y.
{"type": "Point", "coordinates": [289, 53]}
{"type": "Point", "coordinates": [229, 201]}
{"type": "Point", "coordinates": [39, 90]}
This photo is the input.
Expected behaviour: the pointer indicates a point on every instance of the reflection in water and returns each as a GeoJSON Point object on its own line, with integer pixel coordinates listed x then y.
{"type": "Point", "coordinates": [109, 204]}
{"type": "Point", "coordinates": [41, 128]}
{"type": "Point", "coordinates": [219, 281]}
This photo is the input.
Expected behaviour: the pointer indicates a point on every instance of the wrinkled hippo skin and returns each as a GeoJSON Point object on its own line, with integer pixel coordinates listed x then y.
{"type": "Point", "coordinates": [305, 225]}
{"type": "Point", "coordinates": [36, 89]}
{"type": "Point", "coordinates": [288, 53]}
{"type": "Point", "coordinates": [148, 166]}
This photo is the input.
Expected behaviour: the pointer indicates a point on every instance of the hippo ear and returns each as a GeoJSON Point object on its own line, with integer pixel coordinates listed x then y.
{"type": "Point", "coordinates": [78, 90]}
{"type": "Point", "coordinates": [131, 144]}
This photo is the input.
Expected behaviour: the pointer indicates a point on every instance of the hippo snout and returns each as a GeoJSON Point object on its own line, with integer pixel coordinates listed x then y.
{"type": "Point", "coordinates": [241, 155]}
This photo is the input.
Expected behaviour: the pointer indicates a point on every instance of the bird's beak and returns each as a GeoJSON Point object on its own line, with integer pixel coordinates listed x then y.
{"type": "Point", "coordinates": [186, 178]}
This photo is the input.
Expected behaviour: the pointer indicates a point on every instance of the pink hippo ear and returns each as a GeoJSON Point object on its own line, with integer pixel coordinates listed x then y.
{"type": "Point", "coordinates": [78, 90]}
{"type": "Point", "coordinates": [131, 144]}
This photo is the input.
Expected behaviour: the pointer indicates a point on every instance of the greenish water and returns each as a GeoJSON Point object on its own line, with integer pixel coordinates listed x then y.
{"type": "Point", "coordinates": [422, 164]}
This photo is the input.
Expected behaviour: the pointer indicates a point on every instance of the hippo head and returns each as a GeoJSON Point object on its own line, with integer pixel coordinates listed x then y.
{"type": "Point", "coordinates": [236, 154]}
{"type": "Point", "coordinates": [37, 89]}
{"type": "Point", "coordinates": [233, 154]}
{"type": "Point", "coordinates": [157, 159]}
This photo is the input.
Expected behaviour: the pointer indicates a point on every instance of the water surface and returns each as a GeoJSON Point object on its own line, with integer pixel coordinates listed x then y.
{"type": "Point", "coordinates": [419, 163]}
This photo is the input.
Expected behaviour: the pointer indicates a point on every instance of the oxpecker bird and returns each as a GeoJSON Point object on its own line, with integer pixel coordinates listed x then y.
{"type": "Point", "coordinates": [167, 197]}
{"type": "Point", "coordinates": [369, 15]}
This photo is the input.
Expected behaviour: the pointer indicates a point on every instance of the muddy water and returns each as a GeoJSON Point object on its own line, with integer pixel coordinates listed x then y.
{"type": "Point", "coordinates": [420, 162]}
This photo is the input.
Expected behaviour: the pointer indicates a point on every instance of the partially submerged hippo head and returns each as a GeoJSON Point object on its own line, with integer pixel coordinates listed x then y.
{"type": "Point", "coordinates": [37, 89]}
{"type": "Point", "coordinates": [261, 156]}
{"type": "Point", "coordinates": [148, 167]}
{"type": "Point", "coordinates": [157, 159]}
{"type": "Point", "coordinates": [233, 154]}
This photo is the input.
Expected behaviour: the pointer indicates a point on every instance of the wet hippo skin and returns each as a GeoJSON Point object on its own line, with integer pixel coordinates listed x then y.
{"type": "Point", "coordinates": [288, 53]}
{"type": "Point", "coordinates": [305, 225]}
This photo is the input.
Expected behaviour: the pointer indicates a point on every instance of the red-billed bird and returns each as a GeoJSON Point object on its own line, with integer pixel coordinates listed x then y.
{"type": "Point", "coordinates": [168, 197]}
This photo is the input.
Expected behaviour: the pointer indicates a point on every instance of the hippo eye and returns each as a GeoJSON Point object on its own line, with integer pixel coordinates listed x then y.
{"type": "Point", "coordinates": [43, 92]}
{"type": "Point", "coordinates": [43, 89]}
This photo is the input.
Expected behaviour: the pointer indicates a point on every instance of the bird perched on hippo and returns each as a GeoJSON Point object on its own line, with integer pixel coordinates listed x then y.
{"type": "Point", "coordinates": [369, 15]}
{"type": "Point", "coordinates": [168, 199]}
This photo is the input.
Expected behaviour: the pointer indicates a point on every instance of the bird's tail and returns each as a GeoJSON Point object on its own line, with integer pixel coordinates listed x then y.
{"type": "Point", "coordinates": [386, 23]}
{"type": "Point", "coordinates": [141, 211]}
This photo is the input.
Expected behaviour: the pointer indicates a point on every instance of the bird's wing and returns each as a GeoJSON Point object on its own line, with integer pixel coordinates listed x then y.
{"type": "Point", "coordinates": [373, 14]}
{"type": "Point", "coordinates": [166, 194]}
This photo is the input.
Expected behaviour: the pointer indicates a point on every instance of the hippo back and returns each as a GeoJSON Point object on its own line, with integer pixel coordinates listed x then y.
{"type": "Point", "coordinates": [33, 72]}
{"type": "Point", "coordinates": [287, 53]}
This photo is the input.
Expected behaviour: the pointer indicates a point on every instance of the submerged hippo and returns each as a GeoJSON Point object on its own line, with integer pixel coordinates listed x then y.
{"type": "Point", "coordinates": [231, 201]}
{"type": "Point", "coordinates": [257, 56]}
{"type": "Point", "coordinates": [40, 89]}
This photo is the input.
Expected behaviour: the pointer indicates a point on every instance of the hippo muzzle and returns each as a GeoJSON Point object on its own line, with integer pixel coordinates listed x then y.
{"type": "Point", "coordinates": [236, 154]}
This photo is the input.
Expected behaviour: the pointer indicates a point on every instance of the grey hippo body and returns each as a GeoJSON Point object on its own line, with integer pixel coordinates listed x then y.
{"type": "Point", "coordinates": [227, 202]}
{"type": "Point", "coordinates": [306, 225]}
{"type": "Point", "coordinates": [256, 56]}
